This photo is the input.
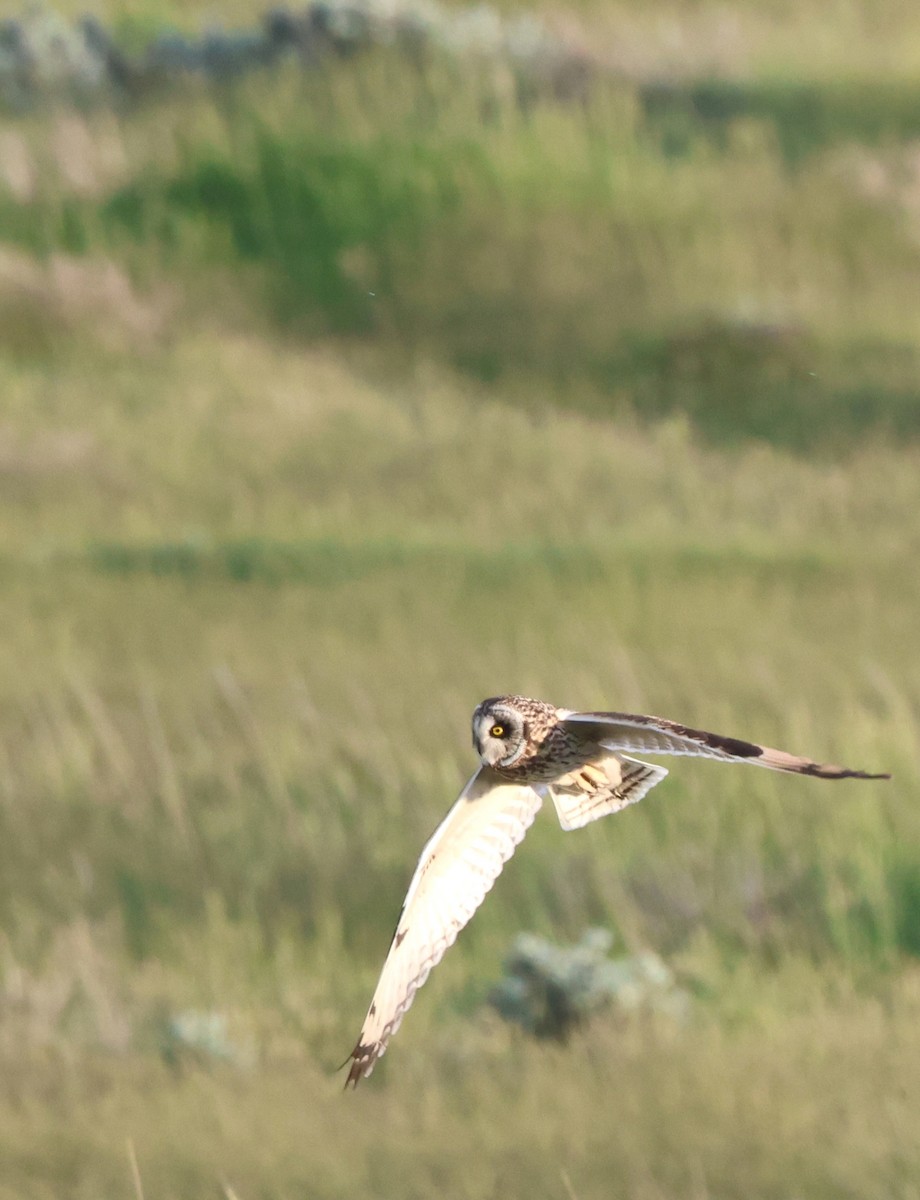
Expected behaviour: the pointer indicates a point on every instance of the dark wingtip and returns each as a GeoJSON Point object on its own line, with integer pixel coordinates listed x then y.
{"type": "Point", "coordinates": [354, 1075]}
{"type": "Point", "coordinates": [362, 1060]}
{"type": "Point", "coordinates": [823, 772]}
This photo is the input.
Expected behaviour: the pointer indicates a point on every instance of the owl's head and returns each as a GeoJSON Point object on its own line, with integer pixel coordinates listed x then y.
{"type": "Point", "coordinates": [499, 732]}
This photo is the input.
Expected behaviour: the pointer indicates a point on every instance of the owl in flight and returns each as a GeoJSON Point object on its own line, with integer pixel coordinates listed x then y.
{"type": "Point", "coordinates": [528, 750]}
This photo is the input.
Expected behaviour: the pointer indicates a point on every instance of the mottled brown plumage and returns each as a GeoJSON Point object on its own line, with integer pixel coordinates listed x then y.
{"type": "Point", "coordinates": [529, 749]}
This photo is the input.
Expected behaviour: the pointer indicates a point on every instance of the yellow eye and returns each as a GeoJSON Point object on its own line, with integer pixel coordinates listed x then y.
{"type": "Point", "coordinates": [497, 731]}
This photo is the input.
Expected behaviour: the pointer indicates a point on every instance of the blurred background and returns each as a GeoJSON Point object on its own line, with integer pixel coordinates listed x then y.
{"type": "Point", "coordinates": [359, 362]}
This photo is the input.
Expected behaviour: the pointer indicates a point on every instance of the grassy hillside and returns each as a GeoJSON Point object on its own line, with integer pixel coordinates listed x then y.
{"type": "Point", "coordinates": [745, 257]}
{"type": "Point", "coordinates": [331, 406]}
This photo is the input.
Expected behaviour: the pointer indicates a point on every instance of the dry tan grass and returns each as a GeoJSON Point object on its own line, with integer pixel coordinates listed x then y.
{"type": "Point", "coordinates": [823, 1102]}
{"type": "Point", "coordinates": [251, 589]}
{"type": "Point", "coordinates": [66, 296]}
{"type": "Point", "coordinates": [212, 789]}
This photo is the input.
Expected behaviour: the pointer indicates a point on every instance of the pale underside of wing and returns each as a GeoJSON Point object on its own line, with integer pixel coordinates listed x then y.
{"type": "Point", "coordinates": [601, 787]}
{"type": "Point", "coordinates": [656, 735]}
{"type": "Point", "coordinates": [458, 866]}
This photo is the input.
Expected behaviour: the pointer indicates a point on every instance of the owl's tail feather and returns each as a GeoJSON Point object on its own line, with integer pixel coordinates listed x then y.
{"type": "Point", "coordinates": [602, 788]}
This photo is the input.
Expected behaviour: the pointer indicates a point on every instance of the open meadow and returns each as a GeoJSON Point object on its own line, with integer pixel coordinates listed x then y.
{"type": "Point", "coordinates": [337, 401]}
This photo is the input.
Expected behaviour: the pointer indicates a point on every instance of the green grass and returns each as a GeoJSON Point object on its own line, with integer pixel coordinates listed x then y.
{"type": "Point", "coordinates": [597, 257]}
{"type": "Point", "coordinates": [245, 629]}
{"type": "Point", "coordinates": [630, 420]}
{"type": "Point", "coordinates": [622, 1110]}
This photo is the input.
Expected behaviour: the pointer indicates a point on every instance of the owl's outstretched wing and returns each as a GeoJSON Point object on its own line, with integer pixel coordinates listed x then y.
{"type": "Point", "coordinates": [654, 735]}
{"type": "Point", "coordinates": [459, 864]}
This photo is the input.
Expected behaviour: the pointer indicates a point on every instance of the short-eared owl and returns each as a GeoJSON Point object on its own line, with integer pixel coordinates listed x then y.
{"type": "Point", "coordinates": [529, 749]}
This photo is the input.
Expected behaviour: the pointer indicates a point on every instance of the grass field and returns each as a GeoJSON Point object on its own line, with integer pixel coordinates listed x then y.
{"type": "Point", "coordinates": [628, 422]}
